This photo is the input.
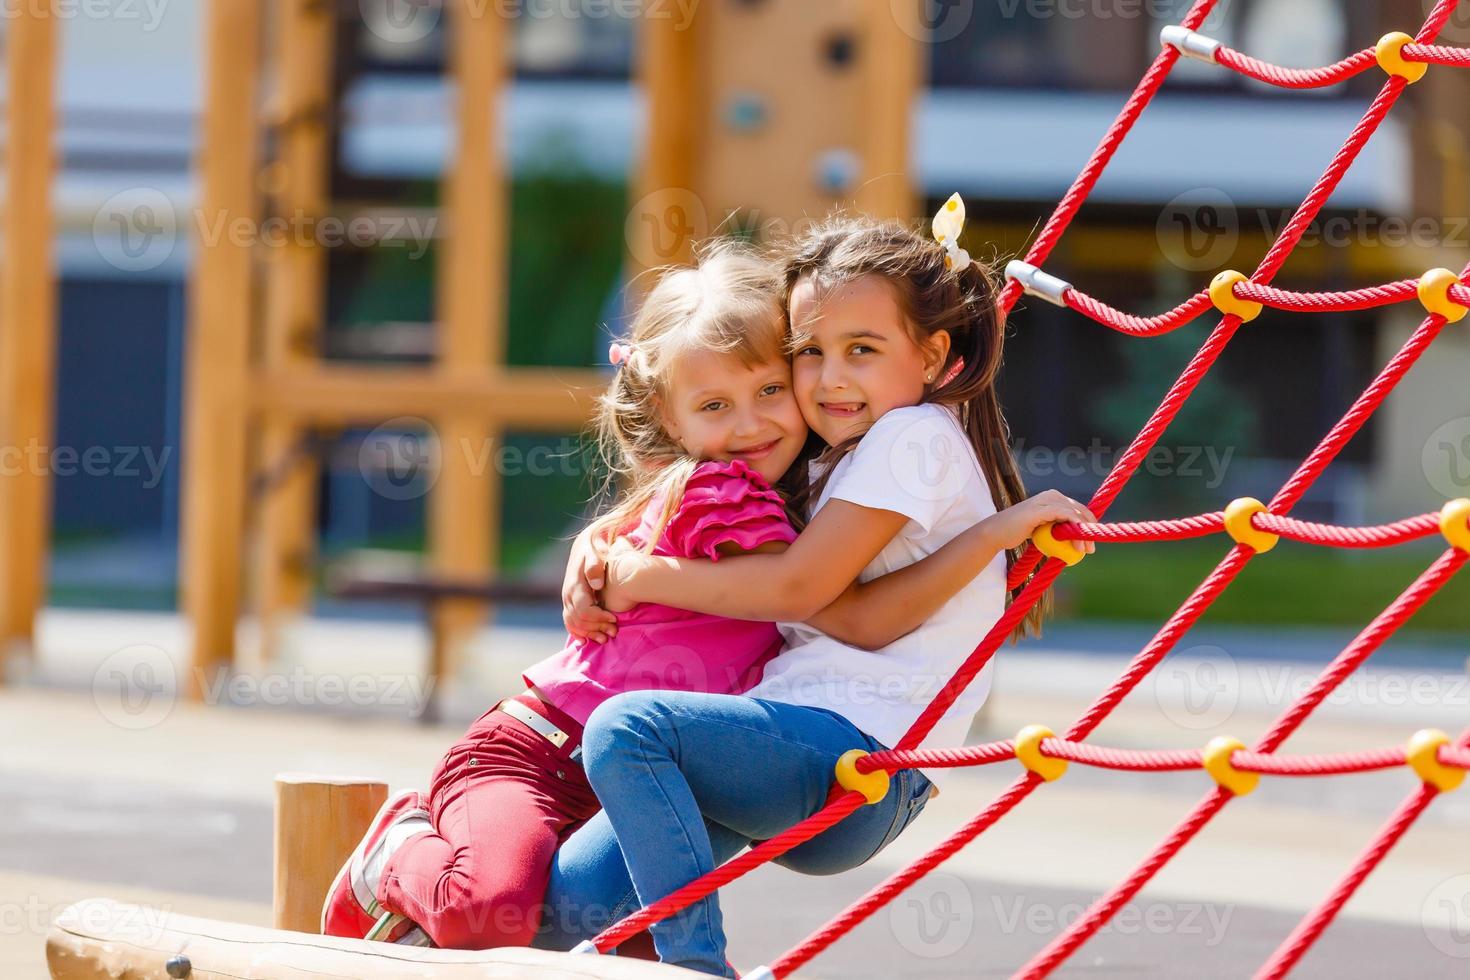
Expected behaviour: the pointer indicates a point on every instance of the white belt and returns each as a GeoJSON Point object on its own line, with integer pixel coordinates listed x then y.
{"type": "Point", "coordinates": [539, 725]}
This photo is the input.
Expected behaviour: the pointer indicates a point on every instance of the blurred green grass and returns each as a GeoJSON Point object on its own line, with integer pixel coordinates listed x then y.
{"type": "Point", "coordinates": [1291, 585]}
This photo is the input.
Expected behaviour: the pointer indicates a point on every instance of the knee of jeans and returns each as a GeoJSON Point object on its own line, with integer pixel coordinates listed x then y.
{"type": "Point", "coordinates": [618, 724]}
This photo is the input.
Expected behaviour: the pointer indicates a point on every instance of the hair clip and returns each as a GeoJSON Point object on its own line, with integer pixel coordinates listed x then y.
{"type": "Point", "coordinates": [619, 354]}
{"type": "Point", "coordinates": [948, 222]}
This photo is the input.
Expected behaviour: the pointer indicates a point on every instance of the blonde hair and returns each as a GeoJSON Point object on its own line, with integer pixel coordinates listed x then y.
{"type": "Point", "coordinates": [728, 302]}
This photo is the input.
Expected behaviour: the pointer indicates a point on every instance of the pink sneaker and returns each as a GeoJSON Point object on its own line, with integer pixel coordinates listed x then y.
{"type": "Point", "coordinates": [351, 908]}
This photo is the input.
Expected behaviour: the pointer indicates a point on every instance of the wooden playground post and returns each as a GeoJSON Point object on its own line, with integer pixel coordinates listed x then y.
{"type": "Point", "coordinates": [318, 821]}
{"type": "Point", "coordinates": [218, 344]}
{"type": "Point", "coordinates": [295, 280]}
{"type": "Point", "coordinates": [27, 323]}
{"type": "Point", "coordinates": [664, 184]}
{"type": "Point", "coordinates": [472, 284]}
{"type": "Point", "coordinates": [893, 75]}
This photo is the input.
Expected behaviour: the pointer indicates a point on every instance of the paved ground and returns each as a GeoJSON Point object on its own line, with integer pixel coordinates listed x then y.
{"type": "Point", "coordinates": [114, 787]}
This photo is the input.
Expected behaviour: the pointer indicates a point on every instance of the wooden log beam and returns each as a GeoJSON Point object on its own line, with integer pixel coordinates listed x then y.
{"type": "Point", "coordinates": [294, 305]}
{"type": "Point", "coordinates": [99, 939]}
{"type": "Point", "coordinates": [27, 320]}
{"type": "Point", "coordinates": [892, 74]}
{"type": "Point", "coordinates": [464, 507]}
{"type": "Point", "coordinates": [529, 399]}
{"type": "Point", "coordinates": [667, 213]}
{"type": "Point", "coordinates": [217, 346]}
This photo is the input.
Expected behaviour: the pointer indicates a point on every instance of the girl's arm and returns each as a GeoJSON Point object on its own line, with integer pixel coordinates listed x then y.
{"type": "Point", "coordinates": [792, 586]}
{"type": "Point", "coordinates": [871, 615]}
{"type": "Point", "coordinates": [867, 614]}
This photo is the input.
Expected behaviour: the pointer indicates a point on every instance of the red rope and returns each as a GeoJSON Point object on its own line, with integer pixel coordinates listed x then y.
{"type": "Point", "coordinates": [1171, 530]}
{"type": "Point", "coordinates": [1153, 760]}
{"type": "Point", "coordinates": [1354, 64]}
{"type": "Point", "coordinates": [1298, 78]}
{"type": "Point", "coordinates": [1352, 299]}
{"type": "Point", "coordinates": [1139, 326]}
{"type": "Point", "coordinates": [1112, 485]}
{"type": "Point", "coordinates": [1437, 54]}
{"type": "Point", "coordinates": [1382, 627]}
{"type": "Point", "coordinates": [1228, 568]}
{"type": "Point", "coordinates": [1374, 536]}
{"type": "Point", "coordinates": [1310, 929]}
{"type": "Point", "coordinates": [1378, 536]}
{"type": "Point", "coordinates": [1187, 312]}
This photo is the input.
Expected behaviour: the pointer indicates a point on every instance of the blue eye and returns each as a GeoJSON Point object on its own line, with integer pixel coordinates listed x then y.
{"type": "Point", "coordinates": [808, 351]}
{"type": "Point", "coordinates": [773, 389]}
{"type": "Point", "coordinates": [711, 406]}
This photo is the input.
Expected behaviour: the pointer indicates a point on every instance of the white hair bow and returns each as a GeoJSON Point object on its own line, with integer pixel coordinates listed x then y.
{"type": "Point", "coordinates": [948, 222]}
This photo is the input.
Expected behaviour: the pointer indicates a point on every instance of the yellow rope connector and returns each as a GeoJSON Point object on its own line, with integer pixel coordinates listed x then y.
{"type": "Point", "coordinates": [1434, 293]}
{"type": "Point", "coordinates": [1238, 525]}
{"type": "Point", "coordinates": [1422, 754]}
{"type": "Point", "coordinates": [873, 785]}
{"type": "Point", "coordinates": [1390, 54]}
{"type": "Point", "coordinates": [1028, 750]}
{"type": "Point", "coordinates": [1217, 764]}
{"type": "Point", "coordinates": [1454, 523]}
{"type": "Point", "coordinates": [1222, 294]}
{"type": "Point", "coordinates": [1046, 543]}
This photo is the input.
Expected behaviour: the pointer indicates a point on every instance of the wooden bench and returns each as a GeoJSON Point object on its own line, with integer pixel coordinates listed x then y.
{"type": "Point", "coordinates": [430, 591]}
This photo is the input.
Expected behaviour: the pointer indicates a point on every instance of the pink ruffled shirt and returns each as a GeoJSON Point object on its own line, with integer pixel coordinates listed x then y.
{"type": "Point", "coordinates": [663, 648]}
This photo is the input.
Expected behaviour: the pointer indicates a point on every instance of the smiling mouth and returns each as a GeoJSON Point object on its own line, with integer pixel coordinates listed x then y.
{"type": "Point", "coordinates": [756, 452]}
{"type": "Point", "coordinates": [842, 410]}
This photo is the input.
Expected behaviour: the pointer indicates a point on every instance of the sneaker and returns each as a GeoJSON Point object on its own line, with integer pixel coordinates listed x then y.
{"type": "Point", "coordinates": [351, 908]}
{"type": "Point", "coordinates": [415, 937]}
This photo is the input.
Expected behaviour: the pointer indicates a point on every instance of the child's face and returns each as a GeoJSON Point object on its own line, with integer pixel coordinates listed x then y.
{"type": "Point", "coordinates": [860, 361]}
{"type": "Point", "coordinates": [721, 408]}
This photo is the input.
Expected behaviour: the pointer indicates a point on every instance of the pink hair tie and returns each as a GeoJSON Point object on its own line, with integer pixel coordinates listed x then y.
{"type": "Point", "coordinates": [618, 354]}
{"type": "Point", "coordinates": [953, 372]}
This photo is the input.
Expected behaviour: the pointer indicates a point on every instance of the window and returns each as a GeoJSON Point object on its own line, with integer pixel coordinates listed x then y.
{"type": "Point", "coordinates": [1104, 45]}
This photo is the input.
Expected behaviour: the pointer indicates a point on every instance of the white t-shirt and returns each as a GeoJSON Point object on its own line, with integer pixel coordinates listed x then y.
{"type": "Point", "coordinates": [916, 462]}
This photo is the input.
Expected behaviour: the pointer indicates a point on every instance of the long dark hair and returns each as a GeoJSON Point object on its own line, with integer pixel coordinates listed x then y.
{"type": "Point", "coordinates": [932, 297]}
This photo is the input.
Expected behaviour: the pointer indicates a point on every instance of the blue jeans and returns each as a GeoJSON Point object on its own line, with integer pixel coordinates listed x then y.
{"type": "Point", "coordinates": [686, 781]}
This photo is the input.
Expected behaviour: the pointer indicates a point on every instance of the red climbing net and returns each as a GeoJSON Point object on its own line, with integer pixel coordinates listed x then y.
{"type": "Point", "coordinates": [1438, 760]}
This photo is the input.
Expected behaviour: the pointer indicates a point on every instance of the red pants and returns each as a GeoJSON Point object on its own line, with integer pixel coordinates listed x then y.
{"type": "Point", "coordinates": [502, 800]}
